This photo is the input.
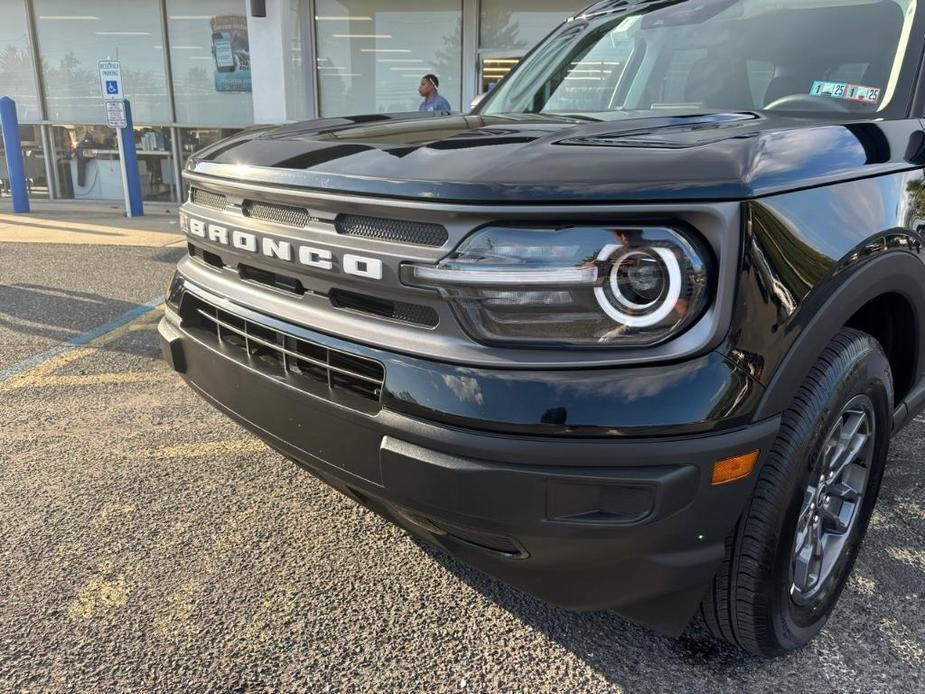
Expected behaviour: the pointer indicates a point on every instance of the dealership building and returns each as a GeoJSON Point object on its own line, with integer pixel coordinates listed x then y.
{"type": "Point", "coordinates": [198, 70]}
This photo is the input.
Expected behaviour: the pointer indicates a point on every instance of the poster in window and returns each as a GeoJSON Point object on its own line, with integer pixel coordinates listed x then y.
{"type": "Point", "coordinates": [231, 50]}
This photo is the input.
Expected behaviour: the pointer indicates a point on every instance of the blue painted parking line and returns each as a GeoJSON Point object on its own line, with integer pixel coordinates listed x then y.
{"type": "Point", "coordinates": [81, 340]}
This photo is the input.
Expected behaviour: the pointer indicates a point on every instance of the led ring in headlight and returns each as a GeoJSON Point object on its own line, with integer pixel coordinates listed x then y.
{"type": "Point", "coordinates": [666, 304]}
{"type": "Point", "coordinates": [583, 286]}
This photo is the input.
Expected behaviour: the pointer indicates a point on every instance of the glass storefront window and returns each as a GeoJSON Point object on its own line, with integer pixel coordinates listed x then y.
{"type": "Point", "coordinates": [507, 24]}
{"type": "Point", "coordinates": [87, 162]}
{"type": "Point", "coordinates": [74, 36]}
{"type": "Point", "coordinates": [33, 159]}
{"type": "Point", "coordinates": [372, 55]}
{"type": "Point", "coordinates": [17, 77]}
{"type": "Point", "coordinates": [155, 164]}
{"type": "Point", "coordinates": [210, 61]}
{"type": "Point", "coordinates": [297, 84]}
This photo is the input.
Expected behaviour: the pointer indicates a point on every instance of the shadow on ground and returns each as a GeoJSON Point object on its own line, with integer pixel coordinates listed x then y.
{"type": "Point", "coordinates": [58, 314]}
{"type": "Point", "coordinates": [611, 645]}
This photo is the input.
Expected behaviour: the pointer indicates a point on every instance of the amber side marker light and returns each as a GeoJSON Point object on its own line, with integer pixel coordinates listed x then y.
{"type": "Point", "coordinates": [732, 469]}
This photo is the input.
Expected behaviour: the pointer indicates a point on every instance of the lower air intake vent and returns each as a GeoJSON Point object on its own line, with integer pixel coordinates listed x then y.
{"type": "Point", "coordinates": [203, 197]}
{"type": "Point", "coordinates": [204, 255]}
{"type": "Point", "coordinates": [346, 379]}
{"type": "Point", "coordinates": [271, 279]}
{"type": "Point", "coordinates": [278, 214]}
{"type": "Point", "coordinates": [396, 310]}
{"type": "Point", "coordinates": [418, 233]}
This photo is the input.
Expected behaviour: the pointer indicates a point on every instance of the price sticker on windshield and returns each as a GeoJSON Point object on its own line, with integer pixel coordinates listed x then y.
{"type": "Point", "coordinates": [849, 92]}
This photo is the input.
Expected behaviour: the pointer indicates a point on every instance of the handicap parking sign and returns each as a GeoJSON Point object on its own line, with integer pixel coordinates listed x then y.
{"type": "Point", "coordinates": [111, 79]}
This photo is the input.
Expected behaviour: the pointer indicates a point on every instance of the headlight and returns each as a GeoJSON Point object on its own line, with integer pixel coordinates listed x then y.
{"type": "Point", "coordinates": [583, 286]}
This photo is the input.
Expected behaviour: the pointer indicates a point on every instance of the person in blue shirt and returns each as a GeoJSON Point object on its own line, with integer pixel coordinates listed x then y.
{"type": "Point", "coordinates": [432, 99]}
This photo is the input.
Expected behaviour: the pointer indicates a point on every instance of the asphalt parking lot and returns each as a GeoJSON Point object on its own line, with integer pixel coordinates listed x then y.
{"type": "Point", "coordinates": [147, 543]}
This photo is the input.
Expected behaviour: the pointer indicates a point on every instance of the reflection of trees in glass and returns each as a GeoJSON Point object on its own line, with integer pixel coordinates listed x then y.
{"type": "Point", "coordinates": [70, 78]}
{"type": "Point", "coordinates": [197, 80]}
{"type": "Point", "coordinates": [447, 64]}
{"type": "Point", "coordinates": [15, 73]}
{"type": "Point", "coordinates": [499, 30]}
{"type": "Point", "coordinates": [151, 83]}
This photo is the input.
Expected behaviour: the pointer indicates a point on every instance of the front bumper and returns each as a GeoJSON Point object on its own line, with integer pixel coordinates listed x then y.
{"type": "Point", "coordinates": [632, 524]}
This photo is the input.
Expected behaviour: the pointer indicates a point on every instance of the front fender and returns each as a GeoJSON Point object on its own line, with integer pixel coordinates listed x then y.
{"type": "Point", "coordinates": [813, 258]}
{"type": "Point", "coordinates": [831, 305]}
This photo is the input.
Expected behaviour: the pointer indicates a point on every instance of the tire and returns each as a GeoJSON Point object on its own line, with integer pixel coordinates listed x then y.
{"type": "Point", "coordinates": [765, 598]}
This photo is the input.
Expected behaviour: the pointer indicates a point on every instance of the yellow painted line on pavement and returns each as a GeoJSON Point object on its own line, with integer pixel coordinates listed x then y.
{"type": "Point", "coordinates": [104, 591]}
{"type": "Point", "coordinates": [911, 508]}
{"type": "Point", "coordinates": [142, 326]}
{"type": "Point", "coordinates": [904, 642]}
{"type": "Point", "coordinates": [39, 230]}
{"type": "Point", "coordinates": [908, 555]}
{"type": "Point", "coordinates": [205, 449]}
{"type": "Point", "coordinates": [46, 367]}
{"type": "Point", "coordinates": [44, 370]}
{"type": "Point", "coordinates": [176, 620]}
{"type": "Point", "coordinates": [270, 616]}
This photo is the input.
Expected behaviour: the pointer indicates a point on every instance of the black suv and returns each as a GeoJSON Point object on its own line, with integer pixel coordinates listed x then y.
{"type": "Point", "coordinates": [634, 334]}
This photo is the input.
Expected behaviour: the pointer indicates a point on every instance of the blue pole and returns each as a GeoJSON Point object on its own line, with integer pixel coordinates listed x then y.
{"type": "Point", "coordinates": [14, 164]}
{"type": "Point", "coordinates": [131, 164]}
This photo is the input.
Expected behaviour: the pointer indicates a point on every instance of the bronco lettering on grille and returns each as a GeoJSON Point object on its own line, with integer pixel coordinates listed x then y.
{"type": "Point", "coordinates": [281, 249]}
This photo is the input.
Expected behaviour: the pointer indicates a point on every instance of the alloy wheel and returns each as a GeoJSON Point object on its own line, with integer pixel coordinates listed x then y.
{"type": "Point", "coordinates": [832, 500]}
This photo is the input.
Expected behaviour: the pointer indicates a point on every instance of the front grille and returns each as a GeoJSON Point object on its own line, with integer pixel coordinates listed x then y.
{"type": "Point", "coordinates": [207, 199]}
{"type": "Point", "coordinates": [278, 214]}
{"type": "Point", "coordinates": [340, 377]}
{"type": "Point", "coordinates": [399, 231]}
{"type": "Point", "coordinates": [396, 310]}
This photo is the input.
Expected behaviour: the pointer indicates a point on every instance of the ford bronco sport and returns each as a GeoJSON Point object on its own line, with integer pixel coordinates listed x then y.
{"type": "Point", "coordinates": [633, 334]}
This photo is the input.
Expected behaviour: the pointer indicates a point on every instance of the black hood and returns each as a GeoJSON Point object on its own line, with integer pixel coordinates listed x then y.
{"type": "Point", "coordinates": [526, 158]}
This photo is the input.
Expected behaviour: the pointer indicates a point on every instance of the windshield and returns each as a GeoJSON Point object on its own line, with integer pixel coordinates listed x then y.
{"type": "Point", "coordinates": [808, 56]}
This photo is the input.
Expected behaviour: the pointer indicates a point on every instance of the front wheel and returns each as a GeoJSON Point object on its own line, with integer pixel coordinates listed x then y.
{"type": "Point", "coordinates": [793, 549]}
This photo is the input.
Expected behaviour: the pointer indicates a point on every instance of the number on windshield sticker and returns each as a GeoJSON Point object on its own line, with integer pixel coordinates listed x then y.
{"type": "Point", "coordinates": [843, 90]}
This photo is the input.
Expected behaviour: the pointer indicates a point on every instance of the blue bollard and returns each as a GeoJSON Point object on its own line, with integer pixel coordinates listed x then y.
{"type": "Point", "coordinates": [14, 163]}
{"type": "Point", "coordinates": [131, 164]}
